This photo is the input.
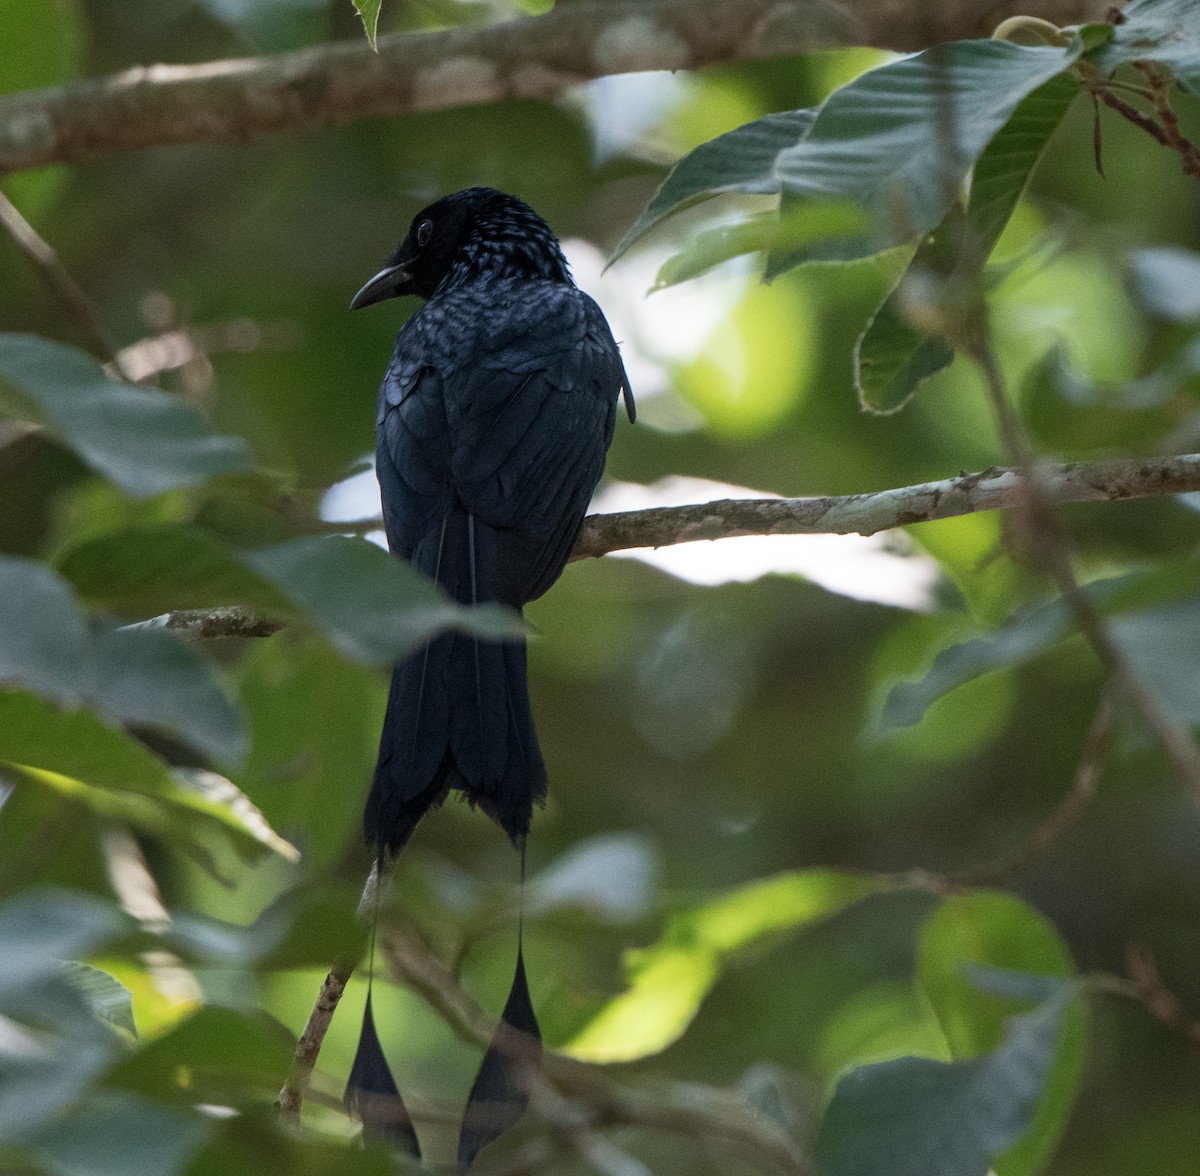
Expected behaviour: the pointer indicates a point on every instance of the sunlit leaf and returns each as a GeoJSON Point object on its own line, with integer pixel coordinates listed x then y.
{"type": "Point", "coordinates": [900, 139]}
{"type": "Point", "coordinates": [742, 160]}
{"type": "Point", "coordinates": [894, 354]}
{"type": "Point", "coordinates": [669, 980]}
{"type": "Point", "coordinates": [107, 997]}
{"type": "Point", "coordinates": [146, 442]}
{"type": "Point", "coordinates": [368, 10]}
{"type": "Point", "coordinates": [76, 757]}
{"type": "Point", "coordinates": [919, 1117]}
{"type": "Point", "coordinates": [1000, 931]}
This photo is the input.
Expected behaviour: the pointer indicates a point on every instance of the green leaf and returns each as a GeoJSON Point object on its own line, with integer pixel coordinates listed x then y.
{"type": "Point", "coordinates": [314, 719]}
{"type": "Point", "coordinates": [369, 604]}
{"type": "Point", "coordinates": [918, 1117]}
{"type": "Point", "coordinates": [117, 1136]}
{"type": "Point", "coordinates": [1149, 618]}
{"type": "Point", "coordinates": [75, 756]}
{"type": "Point", "coordinates": [669, 980]}
{"type": "Point", "coordinates": [899, 140]}
{"type": "Point", "coordinates": [136, 677]}
{"type": "Point", "coordinates": [742, 160]}
{"type": "Point", "coordinates": [41, 928]}
{"type": "Point", "coordinates": [215, 1055]}
{"type": "Point", "coordinates": [148, 570]}
{"type": "Point", "coordinates": [1165, 32]}
{"type": "Point", "coordinates": [107, 997]}
{"type": "Point", "coordinates": [43, 641]}
{"type": "Point", "coordinates": [1023, 638]}
{"type": "Point", "coordinates": [145, 442]}
{"type": "Point", "coordinates": [894, 354]}
{"type": "Point", "coordinates": [52, 1044]}
{"type": "Point", "coordinates": [803, 234]}
{"type": "Point", "coordinates": [148, 677]}
{"type": "Point", "coordinates": [1000, 931]}
{"type": "Point", "coordinates": [368, 10]}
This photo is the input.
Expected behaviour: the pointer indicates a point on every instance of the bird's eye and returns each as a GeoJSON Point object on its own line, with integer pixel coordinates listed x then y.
{"type": "Point", "coordinates": [424, 232]}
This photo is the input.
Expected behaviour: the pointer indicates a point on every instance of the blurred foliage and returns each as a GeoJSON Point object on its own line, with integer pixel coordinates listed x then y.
{"type": "Point", "coordinates": [752, 782]}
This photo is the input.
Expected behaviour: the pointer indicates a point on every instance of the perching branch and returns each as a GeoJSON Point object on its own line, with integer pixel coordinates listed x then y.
{"type": "Point", "coordinates": [844, 514]}
{"type": "Point", "coordinates": [865, 514]}
{"type": "Point", "coordinates": [237, 101]}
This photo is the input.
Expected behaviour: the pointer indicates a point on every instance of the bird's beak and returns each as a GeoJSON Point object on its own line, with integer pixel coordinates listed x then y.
{"type": "Point", "coordinates": [389, 283]}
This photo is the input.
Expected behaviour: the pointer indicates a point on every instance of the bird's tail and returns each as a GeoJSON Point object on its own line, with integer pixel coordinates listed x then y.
{"type": "Point", "coordinates": [458, 714]}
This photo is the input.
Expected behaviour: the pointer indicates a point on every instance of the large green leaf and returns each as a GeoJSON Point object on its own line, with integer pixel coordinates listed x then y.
{"type": "Point", "coordinates": [1165, 32]}
{"type": "Point", "coordinates": [742, 160]}
{"type": "Point", "coordinates": [145, 442]}
{"type": "Point", "coordinates": [75, 756]}
{"type": "Point", "coordinates": [1000, 931]}
{"type": "Point", "coordinates": [128, 677]}
{"type": "Point", "coordinates": [116, 1136]}
{"type": "Point", "coordinates": [53, 1044]}
{"type": "Point", "coordinates": [370, 605]}
{"type": "Point", "coordinates": [669, 980]}
{"type": "Point", "coordinates": [894, 355]}
{"type": "Point", "coordinates": [918, 1117]}
{"type": "Point", "coordinates": [1154, 620]}
{"type": "Point", "coordinates": [149, 677]}
{"type": "Point", "coordinates": [900, 139]}
{"type": "Point", "coordinates": [43, 640]}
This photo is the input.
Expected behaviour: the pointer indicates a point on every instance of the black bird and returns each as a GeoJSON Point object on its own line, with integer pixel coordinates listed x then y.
{"type": "Point", "coordinates": [494, 418]}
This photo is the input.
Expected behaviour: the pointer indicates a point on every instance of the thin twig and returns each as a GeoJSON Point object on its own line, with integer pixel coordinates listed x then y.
{"type": "Point", "coordinates": [713, 1116]}
{"type": "Point", "coordinates": [235, 102]}
{"type": "Point", "coordinates": [210, 624]}
{"type": "Point", "coordinates": [1069, 809]}
{"type": "Point", "coordinates": [1049, 548]}
{"type": "Point", "coordinates": [309, 1045]}
{"type": "Point", "coordinates": [69, 293]}
{"type": "Point", "coordinates": [1146, 985]}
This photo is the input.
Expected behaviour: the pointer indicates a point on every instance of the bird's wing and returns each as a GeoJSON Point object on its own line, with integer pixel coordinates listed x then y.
{"type": "Point", "coordinates": [531, 418]}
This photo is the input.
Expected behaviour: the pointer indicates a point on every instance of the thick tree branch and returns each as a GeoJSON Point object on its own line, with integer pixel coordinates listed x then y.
{"type": "Point", "coordinates": [844, 514]}
{"type": "Point", "coordinates": [240, 100]}
{"type": "Point", "coordinates": [865, 514]}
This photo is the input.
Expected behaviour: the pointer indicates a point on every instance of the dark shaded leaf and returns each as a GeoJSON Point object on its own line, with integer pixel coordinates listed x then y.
{"type": "Point", "coordinates": [43, 641]}
{"type": "Point", "coordinates": [117, 1136]}
{"type": "Point", "coordinates": [500, 1093]}
{"type": "Point", "coordinates": [918, 1117]}
{"type": "Point", "coordinates": [149, 677]}
{"type": "Point", "coordinates": [372, 1095]}
{"type": "Point", "coordinates": [145, 442]}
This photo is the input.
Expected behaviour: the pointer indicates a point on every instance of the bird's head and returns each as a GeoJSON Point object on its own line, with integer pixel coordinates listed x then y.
{"type": "Point", "coordinates": [470, 234]}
